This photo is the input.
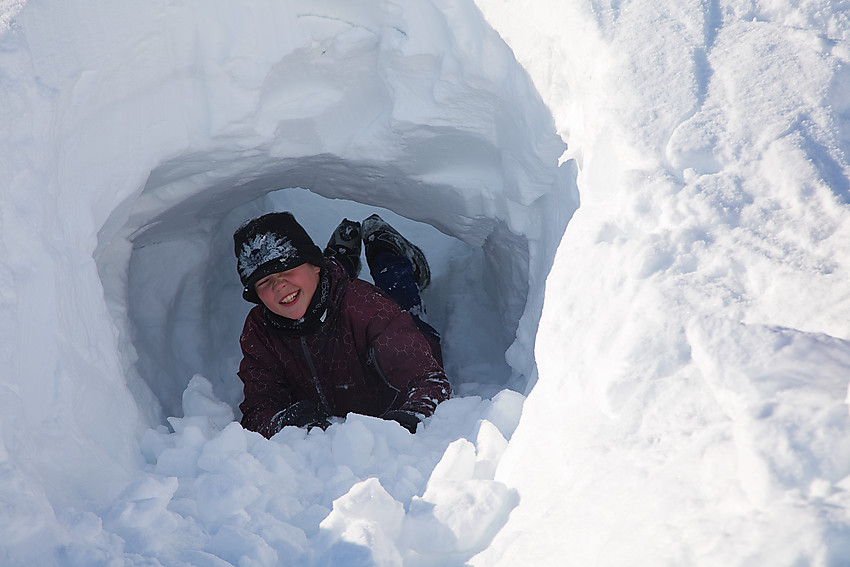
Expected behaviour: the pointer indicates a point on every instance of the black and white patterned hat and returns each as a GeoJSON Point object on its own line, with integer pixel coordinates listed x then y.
{"type": "Point", "coordinates": [272, 243]}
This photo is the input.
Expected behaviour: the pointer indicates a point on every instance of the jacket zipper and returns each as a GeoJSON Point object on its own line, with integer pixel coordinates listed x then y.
{"type": "Point", "coordinates": [372, 360]}
{"type": "Point", "coordinates": [322, 398]}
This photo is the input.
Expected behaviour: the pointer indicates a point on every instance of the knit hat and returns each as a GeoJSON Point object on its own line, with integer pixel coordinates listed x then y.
{"type": "Point", "coordinates": [272, 243]}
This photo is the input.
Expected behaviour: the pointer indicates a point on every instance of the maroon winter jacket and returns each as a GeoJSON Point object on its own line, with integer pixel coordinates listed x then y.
{"type": "Point", "coordinates": [366, 357]}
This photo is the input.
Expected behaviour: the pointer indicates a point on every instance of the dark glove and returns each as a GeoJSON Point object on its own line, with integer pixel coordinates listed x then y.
{"type": "Point", "coordinates": [407, 419]}
{"type": "Point", "coordinates": [300, 414]}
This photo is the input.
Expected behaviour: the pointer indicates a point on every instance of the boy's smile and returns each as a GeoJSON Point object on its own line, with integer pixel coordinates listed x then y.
{"type": "Point", "coordinates": [289, 293]}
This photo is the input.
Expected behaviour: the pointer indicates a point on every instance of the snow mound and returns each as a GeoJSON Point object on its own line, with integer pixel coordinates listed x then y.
{"type": "Point", "coordinates": [695, 330]}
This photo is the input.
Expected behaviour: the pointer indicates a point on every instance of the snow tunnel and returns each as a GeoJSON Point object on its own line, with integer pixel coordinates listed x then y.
{"type": "Point", "coordinates": [436, 128]}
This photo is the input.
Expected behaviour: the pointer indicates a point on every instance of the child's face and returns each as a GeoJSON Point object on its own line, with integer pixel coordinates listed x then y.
{"type": "Point", "coordinates": [288, 293]}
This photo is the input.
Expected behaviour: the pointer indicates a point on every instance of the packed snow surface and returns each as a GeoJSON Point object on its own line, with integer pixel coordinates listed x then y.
{"type": "Point", "coordinates": [657, 377]}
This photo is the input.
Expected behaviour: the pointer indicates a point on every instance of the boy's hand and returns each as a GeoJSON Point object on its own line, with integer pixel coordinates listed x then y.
{"type": "Point", "coordinates": [300, 414]}
{"type": "Point", "coordinates": [406, 419]}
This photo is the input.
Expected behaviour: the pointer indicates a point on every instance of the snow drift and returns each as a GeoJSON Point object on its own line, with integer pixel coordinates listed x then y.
{"type": "Point", "coordinates": [696, 326]}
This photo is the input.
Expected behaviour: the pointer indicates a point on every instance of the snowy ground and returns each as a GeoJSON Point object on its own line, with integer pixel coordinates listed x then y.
{"type": "Point", "coordinates": [686, 372]}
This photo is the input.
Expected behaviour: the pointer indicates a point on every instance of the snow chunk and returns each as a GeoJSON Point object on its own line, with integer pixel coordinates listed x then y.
{"type": "Point", "coordinates": [199, 400]}
{"type": "Point", "coordinates": [362, 529]}
{"type": "Point", "coordinates": [240, 547]}
{"type": "Point", "coordinates": [221, 496]}
{"type": "Point", "coordinates": [459, 514]}
{"type": "Point", "coordinates": [141, 516]}
{"type": "Point", "coordinates": [505, 411]}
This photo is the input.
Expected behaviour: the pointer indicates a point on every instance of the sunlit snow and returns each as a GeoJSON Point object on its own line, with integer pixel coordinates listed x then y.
{"type": "Point", "coordinates": [655, 377]}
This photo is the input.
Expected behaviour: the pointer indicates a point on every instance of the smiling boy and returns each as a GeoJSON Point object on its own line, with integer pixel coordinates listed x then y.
{"type": "Point", "coordinates": [289, 293]}
{"type": "Point", "coordinates": [322, 343]}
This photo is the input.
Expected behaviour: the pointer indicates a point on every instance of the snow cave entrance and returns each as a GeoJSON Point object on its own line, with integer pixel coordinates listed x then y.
{"type": "Point", "coordinates": [184, 309]}
{"type": "Point", "coordinates": [439, 130]}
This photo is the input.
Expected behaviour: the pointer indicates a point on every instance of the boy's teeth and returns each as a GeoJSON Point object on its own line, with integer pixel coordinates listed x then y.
{"type": "Point", "coordinates": [289, 297]}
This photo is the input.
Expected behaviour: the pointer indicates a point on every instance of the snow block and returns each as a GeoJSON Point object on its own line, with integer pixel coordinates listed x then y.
{"type": "Point", "coordinates": [363, 528]}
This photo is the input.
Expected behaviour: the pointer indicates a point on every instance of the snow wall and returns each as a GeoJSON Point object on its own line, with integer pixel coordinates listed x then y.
{"type": "Point", "coordinates": [695, 331]}
{"type": "Point", "coordinates": [142, 136]}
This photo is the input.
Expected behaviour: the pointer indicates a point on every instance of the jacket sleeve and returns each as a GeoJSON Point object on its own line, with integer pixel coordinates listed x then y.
{"type": "Point", "coordinates": [403, 357]}
{"type": "Point", "coordinates": [266, 392]}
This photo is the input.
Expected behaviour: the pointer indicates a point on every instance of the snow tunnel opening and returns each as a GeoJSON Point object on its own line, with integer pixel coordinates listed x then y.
{"type": "Point", "coordinates": [182, 308]}
{"type": "Point", "coordinates": [423, 113]}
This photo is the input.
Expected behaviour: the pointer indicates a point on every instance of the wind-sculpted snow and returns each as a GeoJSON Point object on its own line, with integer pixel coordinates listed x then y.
{"type": "Point", "coordinates": [695, 325]}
